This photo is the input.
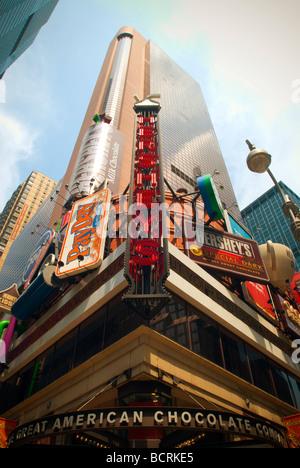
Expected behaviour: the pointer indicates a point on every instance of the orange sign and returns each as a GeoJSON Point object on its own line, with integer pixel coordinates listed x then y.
{"type": "Point", "coordinates": [84, 242]}
{"type": "Point", "coordinates": [6, 427]}
{"type": "Point", "coordinates": [292, 424]}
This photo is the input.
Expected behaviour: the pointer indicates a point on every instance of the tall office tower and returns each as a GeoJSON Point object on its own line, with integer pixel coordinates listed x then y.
{"type": "Point", "coordinates": [142, 313]}
{"type": "Point", "coordinates": [19, 209]}
{"type": "Point", "coordinates": [266, 221]}
{"type": "Point", "coordinates": [20, 22]}
{"type": "Point", "coordinates": [135, 66]}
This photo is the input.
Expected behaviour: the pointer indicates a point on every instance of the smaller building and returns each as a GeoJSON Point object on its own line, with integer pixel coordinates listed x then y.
{"type": "Point", "coordinates": [266, 221]}
{"type": "Point", "coordinates": [22, 205]}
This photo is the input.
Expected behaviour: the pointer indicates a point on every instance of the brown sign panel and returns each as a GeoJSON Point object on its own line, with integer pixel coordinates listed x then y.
{"type": "Point", "coordinates": [229, 253]}
{"type": "Point", "coordinates": [8, 297]}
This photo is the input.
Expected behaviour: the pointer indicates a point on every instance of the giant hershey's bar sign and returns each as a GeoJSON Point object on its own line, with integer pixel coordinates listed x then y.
{"type": "Point", "coordinates": [229, 253]}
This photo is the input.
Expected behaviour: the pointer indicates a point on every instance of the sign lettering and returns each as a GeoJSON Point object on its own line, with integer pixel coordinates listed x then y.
{"type": "Point", "coordinates": [148, 417]}
{"type": "Point", "coordinates": [84, 242]}
{"type": "Point", "coordinates": [229, 253]}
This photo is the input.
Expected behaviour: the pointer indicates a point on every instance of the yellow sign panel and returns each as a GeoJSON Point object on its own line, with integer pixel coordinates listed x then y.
{"type": "Point", "coordinates": [84, 242]}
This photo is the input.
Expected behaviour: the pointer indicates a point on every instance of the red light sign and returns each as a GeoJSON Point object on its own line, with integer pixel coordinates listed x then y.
{"type": "Point", "coordinates": [146, 266]}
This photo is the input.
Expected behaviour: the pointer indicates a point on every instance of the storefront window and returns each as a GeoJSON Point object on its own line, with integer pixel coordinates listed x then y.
{"type": "Point", "coordinates": [63, 357]}
{"type": "Point", "coordinates": [206, 341]}
{"type": "Point", "coordinates": [235, 357]}
{"type": "Point", "coordinates": [172, 322]}
{"type": "Point", "coordinates": [90, 337]}
{"type": "Point", "coordinates": [295, 386]}
{"type": "Point", "coordinates": [121, 320]}
{"type": "Point", "coordinates": [260, 372]}
{"type": "Point", "coordinates": [282, 385]}
{"type": "Point", "coordinates": [24, 380]}
{"type": "Point", "coordinates": [44, 363]}
{"type": "Point", "coordinates": [178, 321]}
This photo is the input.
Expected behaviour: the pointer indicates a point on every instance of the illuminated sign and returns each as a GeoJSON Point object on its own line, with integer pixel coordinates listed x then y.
{"type": "Point", "coordinates": [235, 227]}
{"type": "Point", "coordinates": [146, 266]}
{"type": "Point", "coordinates": [257, 295]}
{"type": "Point", "coordinates": [84, 242]}
{"type": "Point", "coordinates": [8, 297]}
{"type": "Point", "coordinates": [292, 424]}
{"type": "Point", "coordinates": [37, 256]}
{"type": "Point", "coordinates": [229, 253]}
{"type": "Point", "coordinates": [145, 417]}
{"type": "Point", "coordinates": [210, 197]}
{"type": "Point", "coordinates": [6, 427]}
{"type": "Point", "coordinates": [19, 222]}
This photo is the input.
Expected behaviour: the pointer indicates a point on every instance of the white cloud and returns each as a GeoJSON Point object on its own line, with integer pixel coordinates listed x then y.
{"type": "Point", "coordinates": [252, 89]}
{"type": "Point", "coordinates": [16, 145]}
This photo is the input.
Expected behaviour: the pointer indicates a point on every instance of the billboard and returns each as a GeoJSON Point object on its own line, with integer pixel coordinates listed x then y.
{"type": "Point", "coordinates": [7, 298]}
{"type": "Point", "coordinates": [229, 253]}
{"type": "Point", "coordinates": [210, 196]}
{"type": "Point", "coordinates": [235, 227]}
{"type": "Point", "coordinates": [257, 295]}
{"type": "Point", "coordinates": [100, 158]}
{"type": "Point", "coordinates": [292, 424]}
{"type": "Point", "coordinates": [37, 256]}
{"type": "Point", "coordinates": [6, 427]}
{"type": "Point", "coordinates": [84, 242]}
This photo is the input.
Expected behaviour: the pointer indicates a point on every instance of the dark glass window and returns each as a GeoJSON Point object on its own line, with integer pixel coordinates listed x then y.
{"type": "Point", "coordinates": [42, 376]}
{"type": "Point", "coordinates": [205, 340]}
{"type": "Point", "coordinates": [24, 380]}
{"type": "Point", "coordinates": [120, 321]}
{"type": "Point", "coordinates": [172, 321]}
{"type": "Point", "coordinates": [235, 357]}
{"type": "Point", "coordinates": [63, 356]}
{"type": "Point", "coordinates": [282, 385]}
{"type": "Point", "coordinates": [90, 337]}
{"type": "Point", "coordinates": [260, 372]}
{"type": "Point", "coordinates": [295, 385]}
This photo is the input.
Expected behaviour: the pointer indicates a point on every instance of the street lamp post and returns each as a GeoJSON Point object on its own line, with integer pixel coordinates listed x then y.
{"type": "Point", "coordinates": [258, 160]}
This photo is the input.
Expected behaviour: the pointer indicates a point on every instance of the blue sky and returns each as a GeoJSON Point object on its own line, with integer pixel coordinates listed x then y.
{"type": "Point", "coordinates": [244, 54]}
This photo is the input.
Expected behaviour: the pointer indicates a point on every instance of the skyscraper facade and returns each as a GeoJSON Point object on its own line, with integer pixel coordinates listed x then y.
{"type": "Point", "coordinates": [20, 22]}
{"type": "Point", "coordinates": [20, 208]}
{"type": "Point", "coordinates": [266, 220]}
{"type": "Point", "coordinates": [148, 335]}
{"type": "Point", "coordinates": [135, 66]}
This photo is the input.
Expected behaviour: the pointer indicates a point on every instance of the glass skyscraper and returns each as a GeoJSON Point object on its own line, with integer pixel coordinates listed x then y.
{"type": "Point", "coordinates": [20, 22]}
{"type": "Point", "coordinates": [88, 369]}
{"type": "Point", "coordinates": [190, 147]}
{"type": "Point", "coordinates": [189, 143]}
{"type": "Point", "coordinates": [266, 221]}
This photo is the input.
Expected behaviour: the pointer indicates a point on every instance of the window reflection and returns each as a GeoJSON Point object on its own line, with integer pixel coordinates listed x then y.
{"type": "Point", "coordinates": [235, 357]}
{"type": "Point", "coordinates": [260, 370]}
{"type": "Point", "coordinates": [179, 322]}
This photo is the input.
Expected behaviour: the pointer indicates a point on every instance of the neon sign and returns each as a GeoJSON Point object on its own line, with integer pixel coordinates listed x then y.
{"type": "Point", "coordinates": [84, 242]}
{"type": "Point", "coordinates": [146, 264]}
